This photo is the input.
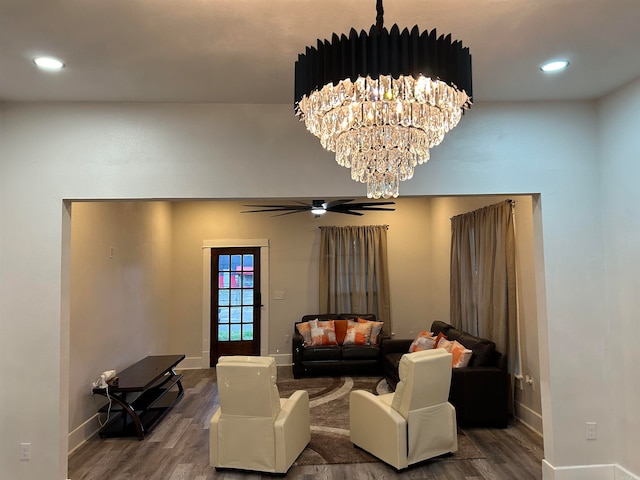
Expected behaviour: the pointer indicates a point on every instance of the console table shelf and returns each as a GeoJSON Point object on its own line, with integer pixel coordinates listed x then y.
{"type": "Point", "coordinates": [142, 396]}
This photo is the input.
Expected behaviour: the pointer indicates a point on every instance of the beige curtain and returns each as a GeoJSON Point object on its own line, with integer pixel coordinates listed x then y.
{"type": "Point", "coordinates": [483, 276]}
{"type": "Point", "coordinates": [354, 277]}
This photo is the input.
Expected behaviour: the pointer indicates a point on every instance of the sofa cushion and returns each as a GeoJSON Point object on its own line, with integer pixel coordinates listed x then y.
{"type": "Point", "coordinates": [360, 352]}
{"type": "Point", "coordinates": [322, 353]}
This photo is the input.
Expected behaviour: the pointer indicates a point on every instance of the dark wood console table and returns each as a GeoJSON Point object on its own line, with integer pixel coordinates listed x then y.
{"type": "Point", "coordinates": [142, 394]}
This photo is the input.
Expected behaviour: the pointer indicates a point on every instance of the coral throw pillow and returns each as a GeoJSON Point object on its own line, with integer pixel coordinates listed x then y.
{"type": "Point", "coordinates": [376, 328]}
{"type": "Point", "coordinates": [440, 337]}
{"type": "Point", "coordinates": [357, 333]}
{"type": "Point", "coordinates": [461, 354]}
{"type": "Point", "coordinates": [304, 329]}
{"type": "Point", "coordinates": [424, 341]}
{"type": "Point", "coordinates": [322, 333]}
{"type": "Point", "coordinates": [443, 342]}
{"type": "Point", "coordinates": [341, 330]}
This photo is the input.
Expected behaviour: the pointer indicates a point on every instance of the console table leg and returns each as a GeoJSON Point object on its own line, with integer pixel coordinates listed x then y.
{"type": "Point", "coordinates": [134, 417]}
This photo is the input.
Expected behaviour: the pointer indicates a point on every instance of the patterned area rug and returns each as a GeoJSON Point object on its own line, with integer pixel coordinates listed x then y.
{"type": "Point", "coordinates": [329, 407]}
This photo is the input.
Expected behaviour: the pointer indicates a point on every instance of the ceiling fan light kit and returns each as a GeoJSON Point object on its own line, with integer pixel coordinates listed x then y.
{"type": "Point", "coordinates": [382, 100]}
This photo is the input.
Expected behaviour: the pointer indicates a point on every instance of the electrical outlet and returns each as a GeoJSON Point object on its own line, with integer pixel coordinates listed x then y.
{"type": "Point", "coordinates": [287, 339]}
{"type": "Point", "coordinates": [25, 451]}
{"type": "Point", "coordinates": [592, 430]}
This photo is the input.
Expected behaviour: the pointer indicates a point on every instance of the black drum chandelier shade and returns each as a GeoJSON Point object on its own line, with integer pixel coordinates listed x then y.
{"type": "Point", "coordinates": [383, 52]}
{"type": "Point", "coordinates": [382, 99]}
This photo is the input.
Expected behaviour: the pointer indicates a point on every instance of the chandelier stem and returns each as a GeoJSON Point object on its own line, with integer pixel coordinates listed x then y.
{"type": "Point", "coordinates": [380, 15]}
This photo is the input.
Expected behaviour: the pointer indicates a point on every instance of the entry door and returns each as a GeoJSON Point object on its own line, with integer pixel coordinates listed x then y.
{"type": "Point", "coordinates": [235, 302]}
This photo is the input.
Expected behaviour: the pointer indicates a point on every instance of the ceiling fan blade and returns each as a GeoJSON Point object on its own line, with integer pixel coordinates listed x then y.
{"type": "Point", "coordinates": [348, 212]}
{"type": "Point", "coordinates": [381, 209]}
{"type": "Point", "coordinates": [335, 203]}
{"type": "Point", "coordinates": [288, 213]}
{"type": "Point", "coordinates": [370, 204]}
{"type": "Point", "coordinates": [277, 208]}
{"type": "Point", "coordinates": [302, 206]}
{"type": "Point", "coordinates": [367, 206]}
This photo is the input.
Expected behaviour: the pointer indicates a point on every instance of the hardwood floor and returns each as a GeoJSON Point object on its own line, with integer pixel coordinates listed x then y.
{"type": "Point", "coordinates": [178, 449]}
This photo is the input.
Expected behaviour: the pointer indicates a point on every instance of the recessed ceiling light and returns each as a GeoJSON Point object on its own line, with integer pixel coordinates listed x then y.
{"type": "Point", "coordinates": [554, 66]}
{"type": "Point", "coordinates": [48, 63]}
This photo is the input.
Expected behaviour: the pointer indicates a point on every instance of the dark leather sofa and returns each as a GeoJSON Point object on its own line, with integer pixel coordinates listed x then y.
{"type": "Point", "coordinates": [479, 392]}
{"type": "Point", "coordinates": [335, 360]}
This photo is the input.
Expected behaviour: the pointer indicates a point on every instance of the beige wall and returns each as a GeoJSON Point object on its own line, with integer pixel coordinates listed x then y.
{"type": "Point", "coordinates": [120, 296]}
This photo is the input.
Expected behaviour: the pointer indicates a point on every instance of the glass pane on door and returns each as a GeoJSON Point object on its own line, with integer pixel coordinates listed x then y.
{"type": "Point", "coordinates": [235, 297]}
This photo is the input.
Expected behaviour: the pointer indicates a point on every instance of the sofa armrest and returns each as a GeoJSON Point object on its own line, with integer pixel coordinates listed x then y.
{"type": "Point", "coordinates": [393, 345]}
{"type": "Point", "coordinates": [480, 396]}
{"type": "Point", "coordinates": [501, 361]}
{"type": "Point", "coordinates": [297, 346]}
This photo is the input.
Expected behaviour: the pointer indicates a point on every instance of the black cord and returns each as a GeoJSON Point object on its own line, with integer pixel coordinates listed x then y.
{"type": "Point", "coordinates": [380, 15]}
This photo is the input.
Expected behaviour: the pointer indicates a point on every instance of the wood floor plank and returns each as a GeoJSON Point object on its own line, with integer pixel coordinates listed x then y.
{"type": "Point", "coordinates": [178, 449]}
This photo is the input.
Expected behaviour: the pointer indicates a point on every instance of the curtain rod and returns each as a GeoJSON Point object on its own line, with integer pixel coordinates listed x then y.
{"type": "Point", "coordinates": [512, 205]}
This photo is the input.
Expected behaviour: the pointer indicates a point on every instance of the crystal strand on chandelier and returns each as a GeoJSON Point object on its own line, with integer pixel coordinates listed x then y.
{"type": "Point", "coordinates": [382, 128]}
{"type": "Point", "coordinates": [391, 185]}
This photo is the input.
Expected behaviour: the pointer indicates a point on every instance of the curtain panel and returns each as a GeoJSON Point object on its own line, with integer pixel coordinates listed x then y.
{"type": "Point", "coordinates": [354, 276]}
{"type": "Point", "coordinates": [483, 276]}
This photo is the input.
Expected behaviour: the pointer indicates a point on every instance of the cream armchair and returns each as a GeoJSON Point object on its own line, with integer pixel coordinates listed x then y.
{"type": "Point", "coordinates": [416, 422]}
{"type": "Point", "coordinates": [254, 429]}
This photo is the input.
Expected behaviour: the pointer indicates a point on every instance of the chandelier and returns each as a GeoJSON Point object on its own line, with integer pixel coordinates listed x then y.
{"type": "Point", "coordinates": [382, 100]}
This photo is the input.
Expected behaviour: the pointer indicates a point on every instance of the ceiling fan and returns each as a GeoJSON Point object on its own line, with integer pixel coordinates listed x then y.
{"type": "Point", "coordinates": [320, 207]}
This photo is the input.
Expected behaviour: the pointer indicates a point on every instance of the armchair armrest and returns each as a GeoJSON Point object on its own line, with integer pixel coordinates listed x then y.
{"type": "Point", "coordinates": [378, 428]}
{"type": "Point", "coordinates": [213, 437]}
{"type": "Point", "coordinates": [292, 429]}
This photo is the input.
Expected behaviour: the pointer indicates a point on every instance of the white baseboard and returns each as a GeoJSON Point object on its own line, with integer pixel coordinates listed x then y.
{"type": "Point", "coordinates": [622, 473]}
{"type": "Point", "coordinates": [84, 432]}
{"type": "Point", "coordinates": [586, 472]}
{"type": "Point", "coordinates": [530, 418]}
{"type": "Point", "coordinates": [193, 363]}
{"type": "Point", "coordinates": [282, 359]}
{"type": "Point", "coordinates": [196, 363]}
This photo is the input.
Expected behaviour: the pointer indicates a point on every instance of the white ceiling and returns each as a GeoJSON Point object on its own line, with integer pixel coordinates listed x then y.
{"type": "Point", "coordinates": [244, 50]}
